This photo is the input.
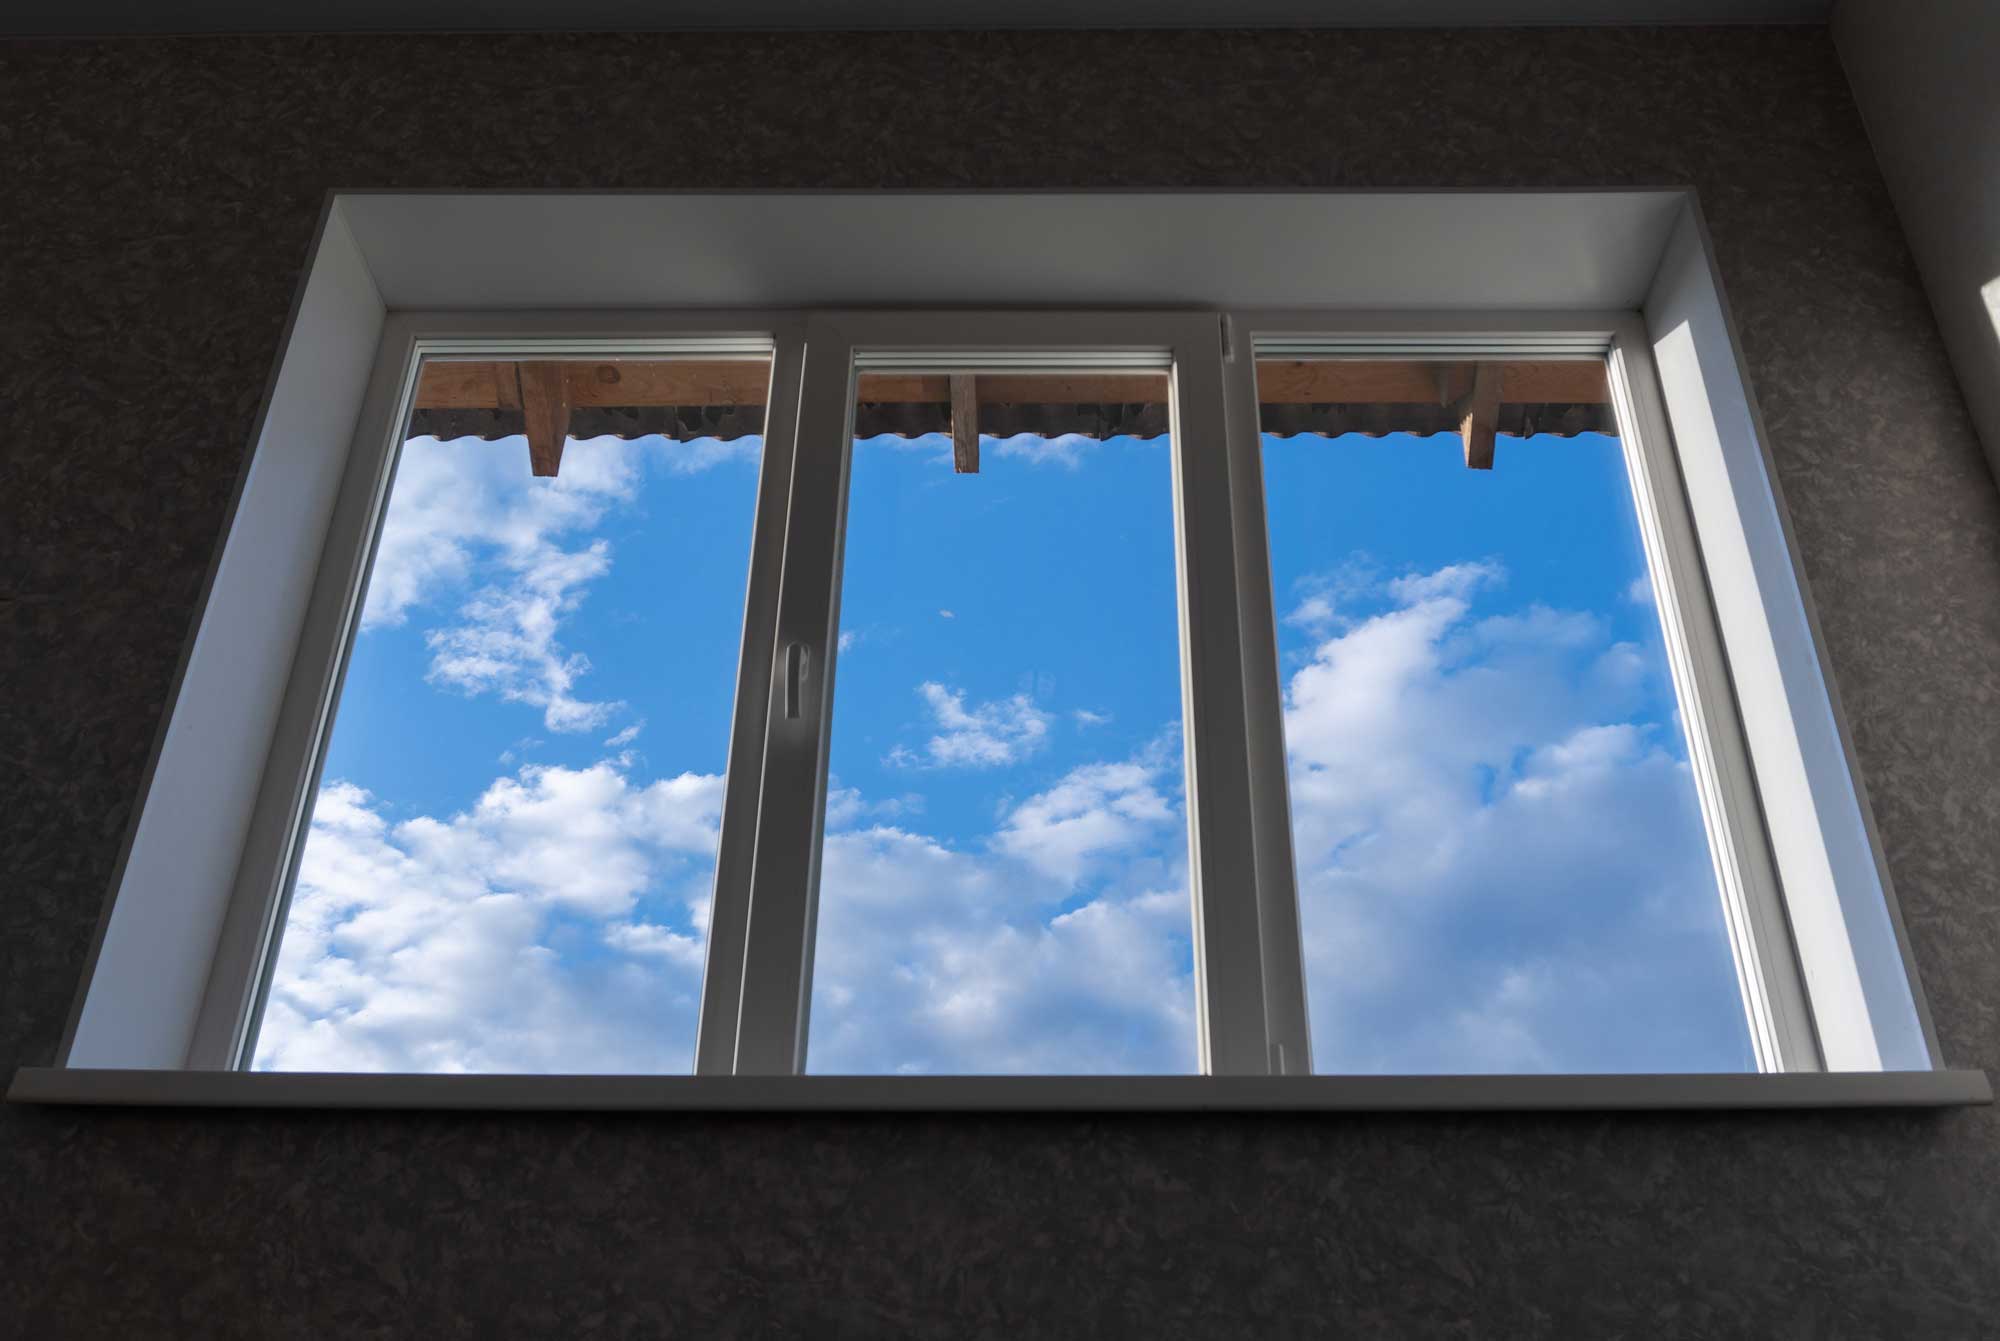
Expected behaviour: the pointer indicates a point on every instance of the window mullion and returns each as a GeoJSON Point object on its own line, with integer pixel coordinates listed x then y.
{"type": "Point", "coordinates": [784, 881]}
{"type": "Point", "coordinates": [729, 909]}
{"type": "Point", "coordinates": [1229, 968]}
{"type": "Point", "coordinates": [1285, 1012]}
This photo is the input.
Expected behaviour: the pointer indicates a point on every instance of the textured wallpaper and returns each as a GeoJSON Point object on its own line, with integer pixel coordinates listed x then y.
{"type": "Point", "coordinates": [156, 205]}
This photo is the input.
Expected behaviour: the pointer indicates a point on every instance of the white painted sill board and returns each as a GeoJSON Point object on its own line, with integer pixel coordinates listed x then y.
{"type": "Point", "coordinates": [999, 1094]}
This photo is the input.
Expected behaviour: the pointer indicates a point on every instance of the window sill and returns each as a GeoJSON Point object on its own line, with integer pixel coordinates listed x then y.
{"type": "Point", "coordinates": [986, 1094]}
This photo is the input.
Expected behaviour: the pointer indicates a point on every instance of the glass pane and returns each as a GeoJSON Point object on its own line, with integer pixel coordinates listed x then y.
{"type": "Point", "coordinates": [1501, 858]}
{"type": "Point", "coordinates": [512, 845]}
{"type": "Point", "coordinates": [1004, 876]}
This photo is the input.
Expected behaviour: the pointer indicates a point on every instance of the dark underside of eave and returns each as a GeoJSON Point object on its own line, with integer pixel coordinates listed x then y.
{"type": "Point", "coordinates": [914, 419]}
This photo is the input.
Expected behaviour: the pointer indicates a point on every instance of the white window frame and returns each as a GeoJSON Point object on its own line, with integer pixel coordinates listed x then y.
{"type": "Point", "coordinates": [246, 951]}
{"type": "Point", "coordinates": [1779, 1018]}
{"type": "Point", "coordinates": [1240, 1029]}
{"type": "Point", "coordinates": [1825, 967]}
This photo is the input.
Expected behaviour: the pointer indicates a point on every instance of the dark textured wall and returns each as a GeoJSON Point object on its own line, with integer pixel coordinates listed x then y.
{"type": "Point", "coordinates": [156, 202]}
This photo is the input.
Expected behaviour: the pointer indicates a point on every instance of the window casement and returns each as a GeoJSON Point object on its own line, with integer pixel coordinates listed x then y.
{"type": "Point", "coordinates": [1812, 937]}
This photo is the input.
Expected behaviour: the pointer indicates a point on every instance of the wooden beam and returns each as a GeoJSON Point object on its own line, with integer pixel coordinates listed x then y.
{"type": "Point", "coordinates": [1408, 382]}
{"type": "Point", "coordinates": [506, 385]}
{"type": "Point", "coordinates": [624, 383]}
{"type": "Point", "coordinates": [619, 382]}
{"type": "Point", "coordinates": [1017, 388]}
{"type": "Point", "coordinates": [1556, 382]}
{"type": "Point", "coordinates": [676, 382]}
{"type": "Point", "coordinates": [965, 423]}
{"type": "Point", "coordinates": [1479, 414]}
{"type": "Point", "coordinates": [447, 385]}
{"type": "Point", "coordinates": [545, 407]}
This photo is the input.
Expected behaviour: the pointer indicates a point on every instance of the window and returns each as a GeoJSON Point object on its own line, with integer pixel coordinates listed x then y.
{"type": "Point", "coordinates": [1502, 863]}
{"type": "Point", "coordinates": [1038, 872]}
{"type": "Point", "coordinates": [975, 857]}
{"type": "Point", "coordinates": [511, 846]}
{"type": "Point", "coordinates": [1179, 697]}
{"type": "Point", "coordinates": [979, 846]}
{"type": "Point", "coordinates": [1003, 876]}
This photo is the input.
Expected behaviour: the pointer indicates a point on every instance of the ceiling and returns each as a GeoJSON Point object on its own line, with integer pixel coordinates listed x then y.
{"type": "Point", "coordinates": [132, 17]}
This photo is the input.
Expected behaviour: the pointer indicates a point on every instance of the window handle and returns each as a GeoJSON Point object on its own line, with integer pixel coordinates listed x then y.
{"type": "Point", "coordinates": [795, 678]}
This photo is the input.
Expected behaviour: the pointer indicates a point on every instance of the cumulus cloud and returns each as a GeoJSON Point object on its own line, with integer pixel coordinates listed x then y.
{"type": "Point", "coordinates": [1322, 599]}
{"type": "Point", "coordinates": [1454, 581]}
{"type": "Point", "coordinates": [1093, 812]}
{"type": "Point", "coordinates": [534, 932]}
{"type": "Point", "coordinates": [986, 735]}
{"type": "Point", "coordinates": [1314, 611]}
{"type": "Point", "coordinates": [935, 447]}
{"type": "Point", "coordinates": [460, 502]}
{"type": "Point", "coordinates": [1499, 868]}
{"type": "Point", "coordinates": [467, 512]}
{"type": "Point", "coordinates": [847, 807]}
{"type": "Point", "coordinates": [1059, 943]}
{"type": "Point", "coordinates": [698, 454]}
{"type": "Point", "coordinates": [1065, 449]}
{"type": "Point", "coordinates": [923, 978]}
{"type": "Point", "coordinates": [652, 940]}
{"type": "Point", "coordinates": [531, 932]}
{"type": "Point", "coordinates": [506, 640]}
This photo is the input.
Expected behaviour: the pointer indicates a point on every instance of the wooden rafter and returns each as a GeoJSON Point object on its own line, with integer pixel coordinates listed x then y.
{"type": "Point", "coordinates": [965, 423]}
{"type": "Point", "coordinates": [545, 402]}
{"type": "Point", "coordinates": [1479, 415]}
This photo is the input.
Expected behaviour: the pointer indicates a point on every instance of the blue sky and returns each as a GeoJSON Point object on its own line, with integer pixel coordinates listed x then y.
{"type": "Point", "coordinates": [1501, 862]}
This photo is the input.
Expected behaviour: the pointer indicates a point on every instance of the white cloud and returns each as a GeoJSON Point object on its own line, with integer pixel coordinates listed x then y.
{"type": "Point", "coordinates": [1324, 597]}
{"type": "Point", "coordinates": [1499, 867]}
{"type": "Point", "coordinates": [936, 446]}
{"type": "Point", "coordinates": [1085, 717]}
{"type": "Point", "coordinates": [984, 736]}
{"type": "Point", "coordinates": [535, 932]}
{"type": "Point", "coordinates": [946, 614]}
{"type": "Point", "coordinates": [926, 981]}
{"type": "Point", "coordinates": [848, 639]}
{"type": "Point", "coordinates": [1455, 581]}
{"type": "Point", "coordinates": [468, 514]}
{"type": "Point", "coordinates": [698, 454]}
{"type": "Point", "coordinates": [933, 959]}
{"type": "Point", "coordinates": [846, 807]}
{"type": "Point", "coordinates": [1641, 590]}
{"type": "Point", "coordinates": [506, 640]}
{"type": "Point", "coordinates": [1092, 813]}
{"type": "Point", "coordinates": [620, 739]}
{"type": "Point", "coordinates": [459, 502]}
{"type": "Point", "coordinates": [1060, 943]}
{"type": "Point", "coordinates": [1314, 612]}
{"type": "Point", "coordinates": [651, 939]}
{"type": "Point", "coordinates": [1500, 863]}
{"type": "Point", "coordinates": [1065, 449]}
{"type": "Point", "coordinates": [503, 938]}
